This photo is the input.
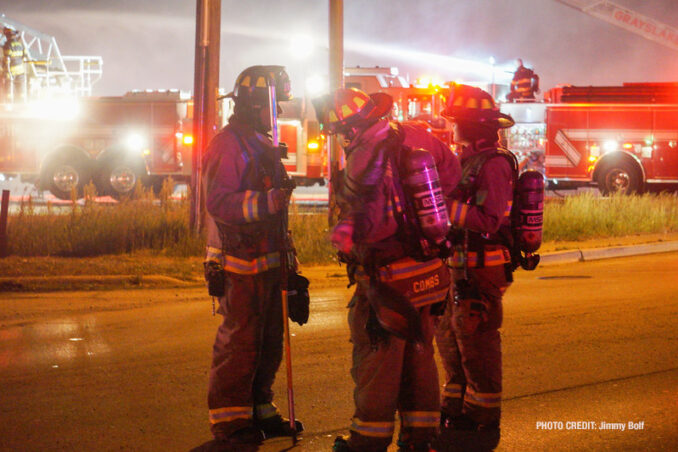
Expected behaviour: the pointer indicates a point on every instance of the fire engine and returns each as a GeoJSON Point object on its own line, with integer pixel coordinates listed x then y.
{"type": "Point", "coordinates": [419, 102]}
{"type": "Point", "coordinates": [299, 129]}
{"type": "Point", "coordinates": [298, 126]}
{"type": "Point", "coordinates": [112, 141]}
{"type": "Point", "coordinates": [620, 138]}
{"type": "Point", "coordinates": [61, 138]}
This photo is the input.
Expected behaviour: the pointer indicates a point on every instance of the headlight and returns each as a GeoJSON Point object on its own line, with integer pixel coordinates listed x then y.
{"type": "Point", "coordinates": [135, 142]}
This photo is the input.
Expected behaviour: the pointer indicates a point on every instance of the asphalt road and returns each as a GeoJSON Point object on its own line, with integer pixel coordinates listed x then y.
{"type": "Point", "coordinates": [592, 343]}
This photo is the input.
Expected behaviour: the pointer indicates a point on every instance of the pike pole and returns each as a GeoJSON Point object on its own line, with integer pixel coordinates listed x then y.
{"type": "Point", "coordinates": [273, 107]}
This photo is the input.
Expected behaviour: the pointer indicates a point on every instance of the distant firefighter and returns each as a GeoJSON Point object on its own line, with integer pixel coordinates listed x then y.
{"type": "Point", "coordinates": [525, 84]}
{"type": "Point", "coordinates": [14, 71]}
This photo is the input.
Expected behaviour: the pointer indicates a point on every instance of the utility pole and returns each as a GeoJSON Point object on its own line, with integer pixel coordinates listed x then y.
{"type": "Point", "coordinates": [205, 90]}
{"type": "Point", "coordinates": [336, 41]}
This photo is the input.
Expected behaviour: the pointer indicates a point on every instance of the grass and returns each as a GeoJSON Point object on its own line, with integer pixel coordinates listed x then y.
{"type": "Point", "coordinates": [586, 216]}
{"type": "Point", "coordinates": [147, 234]}
{"type": "Point", "coordinates": [141, 223]}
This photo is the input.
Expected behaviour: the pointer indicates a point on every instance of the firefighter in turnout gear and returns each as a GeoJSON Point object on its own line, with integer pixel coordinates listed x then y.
{"type": "Point", "coordinates": [468, 333]}
{"type": "Point", "coordinates": [246, 196]}
{"type": "Point", "coordinates": [390, 317]}
{"type": "Point", "coordinates": [525, 84]}
{"type": "Point", "coordinates": [14, 67]}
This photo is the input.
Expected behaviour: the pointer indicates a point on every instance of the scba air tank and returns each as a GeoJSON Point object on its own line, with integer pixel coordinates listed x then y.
{"type": "Point", "coordinates": [530, 214]}
{"type": "Point", "coordinates": [422, 186]}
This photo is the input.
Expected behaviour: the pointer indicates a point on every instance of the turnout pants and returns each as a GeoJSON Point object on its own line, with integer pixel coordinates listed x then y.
{"type": "Point", "coordinates": [472, 362]}
{"type": "Point", "coordinates": [247, 352]}
{"type": "Point", "coordinates": [394, 375]}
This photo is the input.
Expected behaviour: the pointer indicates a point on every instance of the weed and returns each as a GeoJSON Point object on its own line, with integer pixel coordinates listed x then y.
{"type": "Point", "coordinates": [160, 225]}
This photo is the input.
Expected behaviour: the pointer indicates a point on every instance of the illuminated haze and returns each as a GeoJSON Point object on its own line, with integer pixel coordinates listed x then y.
{"type": "Point", "coordinates": [150, 44]}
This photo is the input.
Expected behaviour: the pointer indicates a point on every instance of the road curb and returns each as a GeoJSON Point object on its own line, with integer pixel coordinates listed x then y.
{"type": "Point", "coordinates": [89, 282]}
{"type": "Point", "coordinates": [593, 254]}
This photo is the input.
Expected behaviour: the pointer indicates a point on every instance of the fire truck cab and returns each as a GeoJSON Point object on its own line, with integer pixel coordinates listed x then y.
{"type": "Point", "coordinates": [620, 138]}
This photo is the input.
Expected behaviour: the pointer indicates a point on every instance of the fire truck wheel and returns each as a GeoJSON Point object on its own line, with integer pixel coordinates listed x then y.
{"type": "Point", "coordinates": [118, 178]}
{"type": "Point", "coordinates": [64, 170]}
{"type": "Point", "coordinates": [619, 177]}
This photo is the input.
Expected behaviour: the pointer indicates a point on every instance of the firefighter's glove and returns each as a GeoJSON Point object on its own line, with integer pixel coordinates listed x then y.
{"type": "Point", "coordinates": [469, 311]}
{"type": "Point", "coordinates": [298, 299]}
{"type": "Point", "coordinates": [455, 237]}
{"type": "Point", "coordinates": [445, 249]}
{"type": "Point", "coordinates": [282, 151]}
{"type": "Point", "coordinates": [438, 309]}
{"type": "Point", "coordinates": [342, 237]}
{"type": "Point", "coordinates": [277, 199]}
{"type": "Point", "coordinates": [215, 276]}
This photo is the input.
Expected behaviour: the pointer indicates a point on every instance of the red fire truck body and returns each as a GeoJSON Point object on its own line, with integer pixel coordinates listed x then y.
{"type": "Point", "coordinates": [415, 103]}
{"type": "Point", "coordinates": [299, 129]}
{"type": "Point", "coordinates": [618, 138]}
{"type": "Point", "coordinates": [112, 141]}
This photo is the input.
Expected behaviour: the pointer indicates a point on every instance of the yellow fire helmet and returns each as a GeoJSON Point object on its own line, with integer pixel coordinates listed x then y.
{"type": "Point", "coordinates": [350, 107]}
{"type": "Point", "coordinates": [251, 86]}
{"type": "Point", "coordinates": [468, 103]}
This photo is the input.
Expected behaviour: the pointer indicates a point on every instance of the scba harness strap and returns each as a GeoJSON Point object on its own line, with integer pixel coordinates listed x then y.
{"type": "Point", "coordinates": [467, 190]}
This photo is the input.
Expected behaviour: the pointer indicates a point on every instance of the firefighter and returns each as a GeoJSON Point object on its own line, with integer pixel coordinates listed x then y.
{"type": "Point", "coordinates": [525, 84]}
{"type": "Point", "coordinates": [391, 324]}
{"type": "Point", "coordinates": [14, 66]}
{"type": "Point", "coordinates": [468, 333]}
{"type": "Point", "coordinates": [246, 197]}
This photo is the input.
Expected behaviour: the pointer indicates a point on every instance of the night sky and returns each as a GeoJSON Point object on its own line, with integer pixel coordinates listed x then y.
{"type": "Point", "coordinates": [150, 43]}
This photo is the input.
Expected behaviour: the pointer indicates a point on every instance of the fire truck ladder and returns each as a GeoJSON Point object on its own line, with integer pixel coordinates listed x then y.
{"type": "Point", "coordinates": [627, 19]}
{"type": "Point", "coordinates": [50, 72]}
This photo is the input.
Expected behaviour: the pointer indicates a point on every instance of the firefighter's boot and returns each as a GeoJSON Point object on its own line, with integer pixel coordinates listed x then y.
{"type": "Point", "coordinates": [247, 439]}
{"type": "Point", "coordinates": [277, 425]}
{"type": "Point", "coordinates": [458, 422]}
{"type": "Point", "coordinates": [489, 435]}
{"type": "Point", "coordinates": [341, 444]}
{"type": "Point", "coordinates": [420, 446]}
{"type": "Point", "coordinates": [462, 436]}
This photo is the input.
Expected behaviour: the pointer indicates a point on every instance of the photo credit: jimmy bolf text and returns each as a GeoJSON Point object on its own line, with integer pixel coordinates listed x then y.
{"type": "Point", "coordinates": [589, 425]}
